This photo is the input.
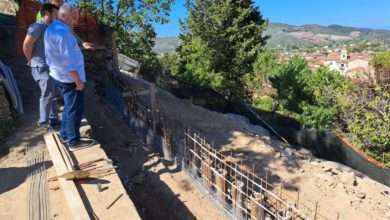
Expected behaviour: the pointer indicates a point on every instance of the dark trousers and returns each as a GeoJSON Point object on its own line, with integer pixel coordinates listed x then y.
{"type": "Point", "coordinates": [47, 102]}
{"type": "Point", "coordinates": [73, 111]}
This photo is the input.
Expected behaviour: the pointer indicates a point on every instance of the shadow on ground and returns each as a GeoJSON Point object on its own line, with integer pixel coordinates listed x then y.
{"type": "Point", "coordinates": [12, 177]}
{"type": "Point", "coordinates": [152, 197]}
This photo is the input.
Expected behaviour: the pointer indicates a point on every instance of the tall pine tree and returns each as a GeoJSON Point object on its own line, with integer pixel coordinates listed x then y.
{"type": "Point", "coordinates": [231, 31]}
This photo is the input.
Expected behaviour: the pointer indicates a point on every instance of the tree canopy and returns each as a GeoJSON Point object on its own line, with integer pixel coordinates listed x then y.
{"type": "Point", "coordinates": [381, 64]}
{"type": "Point", "coordinates": [220, 41]}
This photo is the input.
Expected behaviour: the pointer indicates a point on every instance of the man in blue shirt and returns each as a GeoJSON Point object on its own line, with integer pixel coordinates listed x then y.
{"type": "Point", "coordinates": [33, 49]}
{"type": "Point", "coordinates": [66, 62]}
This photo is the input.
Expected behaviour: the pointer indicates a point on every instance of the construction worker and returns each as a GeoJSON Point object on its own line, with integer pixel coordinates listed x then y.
{"type": "Point", "coordinates": [66, 62]}
{"type": "Point", "coordinates": [34, 51]}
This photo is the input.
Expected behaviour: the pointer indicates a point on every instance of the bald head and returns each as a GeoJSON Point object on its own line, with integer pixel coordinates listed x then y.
{"type": "Point", "coordinates": [57, 3]}
{"type": "Point", "coordinates": [65, 14]}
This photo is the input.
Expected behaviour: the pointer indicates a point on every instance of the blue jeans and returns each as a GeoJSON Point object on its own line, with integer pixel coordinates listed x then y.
{"type": "Point", "coordinates": [73, 112]}
{"type": "Point", "coordinates": [47, 102]}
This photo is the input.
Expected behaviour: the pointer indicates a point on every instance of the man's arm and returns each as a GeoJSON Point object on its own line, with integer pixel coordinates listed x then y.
{"type": "Point", "coordinates": [76, 79]}
{"type": "Point", "coordinates": [81, 43]}
{"type": "Point", "coordinates": [66, 45]}
{"type": "Point", "coordinates": [28, 45]}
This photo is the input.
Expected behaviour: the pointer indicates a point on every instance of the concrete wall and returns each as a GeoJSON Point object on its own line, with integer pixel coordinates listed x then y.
{"type": "Point", "coordinates": [330, 146]}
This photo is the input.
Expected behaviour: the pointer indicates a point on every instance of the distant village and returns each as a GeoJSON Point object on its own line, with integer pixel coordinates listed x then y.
{"type": "Point", "coordinates": [354, 65]}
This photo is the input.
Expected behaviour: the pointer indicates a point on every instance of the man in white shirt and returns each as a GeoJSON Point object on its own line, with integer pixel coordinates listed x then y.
{"type": "Point", "coordinates": [66, 62]}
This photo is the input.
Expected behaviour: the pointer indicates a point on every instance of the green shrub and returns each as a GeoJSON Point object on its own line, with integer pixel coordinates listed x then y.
{"type": "Point", "coordinates": [265, 103]}
{"type": "Point", "coordinates": [367, 119]}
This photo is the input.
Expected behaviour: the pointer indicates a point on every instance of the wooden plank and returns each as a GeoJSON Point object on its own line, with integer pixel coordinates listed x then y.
{"type": "Point", "coordinates": [124, 208]}
{"type": "Point", "coordinates": [75, 203]}
{"type": "Point", "coordinates": [64, 152]}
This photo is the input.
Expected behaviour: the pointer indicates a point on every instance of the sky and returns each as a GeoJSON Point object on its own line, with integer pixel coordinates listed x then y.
{"type": "Point", "coordinates": [355, 13]}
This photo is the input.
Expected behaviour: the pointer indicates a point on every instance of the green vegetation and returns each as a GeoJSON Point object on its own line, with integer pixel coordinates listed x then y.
{"type": "Point", "coordinates": [311, 97]}
{"type": "Point", "coordinates": [223, 48]}
{"type": "Point", "coordinates": [220, 42]}
{"type": "Point", "coordinates": [133, 21]}
{"type": "Point", "coordinates": [367, 119]}
{"type": "Point", "coordinates": [381, 64]}
{"type": "Point", "coordinates": [257, 82]}
{"type": "Point", "coordinates": [324, 99]}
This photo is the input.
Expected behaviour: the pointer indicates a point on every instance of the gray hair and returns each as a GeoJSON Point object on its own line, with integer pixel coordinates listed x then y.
{"type": "Point", "coordinates": [65, 10]}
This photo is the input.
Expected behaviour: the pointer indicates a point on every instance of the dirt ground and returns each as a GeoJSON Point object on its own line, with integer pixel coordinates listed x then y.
{"type": "Point", "coordinates": [17, 168]}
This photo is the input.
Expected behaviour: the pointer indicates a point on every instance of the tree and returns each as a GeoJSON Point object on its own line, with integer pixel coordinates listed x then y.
{"type": "Point", "coordinates": [315, 98]}
{"type": "Point", "coordinates": [381, 64]}
{"type": "Point", "coordinates": [133, 21]}
{"type": "Point", "coordinates": [367, 119]}
{"type": "Point", "coordinates": [264, 67]}
{"type": "Point", "coordinates": [232, 33]}
{"type": "Point", "coordinates": [198, 61]}
{"type": "Point", "coordinates": [289, 81]}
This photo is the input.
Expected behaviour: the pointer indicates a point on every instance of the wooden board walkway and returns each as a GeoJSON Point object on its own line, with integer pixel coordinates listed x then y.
{"type": "Point", "coordinates": [99, 197]}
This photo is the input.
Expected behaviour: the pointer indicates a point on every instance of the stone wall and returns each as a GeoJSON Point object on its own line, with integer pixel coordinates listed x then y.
{"type": "Point", "coordinates": [6, 121]}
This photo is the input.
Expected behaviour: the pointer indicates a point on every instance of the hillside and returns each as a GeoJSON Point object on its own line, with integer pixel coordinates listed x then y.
{"type": "Point", "coordinates": [289, 36]}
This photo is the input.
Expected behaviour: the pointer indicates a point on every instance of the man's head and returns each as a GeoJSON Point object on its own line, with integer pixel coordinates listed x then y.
{"type": "Point", "coordinates": [49, 12]}
{"type": "Point", "coordinates": [57, 3]}
{"type": "Point", "coordinates": [65, 14]}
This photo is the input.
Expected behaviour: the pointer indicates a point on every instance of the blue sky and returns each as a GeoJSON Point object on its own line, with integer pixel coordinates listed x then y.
{"type": "Point", "coordinates": [357, 13]}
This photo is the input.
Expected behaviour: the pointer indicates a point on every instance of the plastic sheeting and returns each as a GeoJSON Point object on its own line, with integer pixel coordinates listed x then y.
{"type": "Point", "coordinates": [8, 80]}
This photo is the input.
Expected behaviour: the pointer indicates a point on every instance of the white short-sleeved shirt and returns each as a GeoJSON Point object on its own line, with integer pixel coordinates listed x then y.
{"type": "Point", "coordinates": [62, 52]}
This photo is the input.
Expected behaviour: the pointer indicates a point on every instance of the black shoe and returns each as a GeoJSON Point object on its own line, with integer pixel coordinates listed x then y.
{"type": "Point", "coordinates": [44, 125]}
{"type": "Point", "coordinates": [55, 123]}
{"type": "Point", "coordinates": [81, 144]}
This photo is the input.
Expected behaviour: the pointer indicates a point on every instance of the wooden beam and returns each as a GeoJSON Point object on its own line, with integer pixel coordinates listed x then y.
{"type": "Point", "coordinates": [61, 163]}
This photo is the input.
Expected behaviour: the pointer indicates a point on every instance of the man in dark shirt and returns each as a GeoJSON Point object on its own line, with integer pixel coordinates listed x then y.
{"type": "Point", "coordinates": [34, 50]}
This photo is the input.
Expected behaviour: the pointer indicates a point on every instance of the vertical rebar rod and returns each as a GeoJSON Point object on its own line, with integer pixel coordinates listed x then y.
{"type": "Point", "coordinates": [315, 211]}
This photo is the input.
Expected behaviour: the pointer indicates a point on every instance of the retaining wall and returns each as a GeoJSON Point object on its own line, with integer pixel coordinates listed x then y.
{"type": "Point", "coordinates": [324, 144]}
{"type": "Point", "coordinates": [330, 146]}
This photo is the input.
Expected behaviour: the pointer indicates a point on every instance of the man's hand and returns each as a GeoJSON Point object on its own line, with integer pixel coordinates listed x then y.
{"type": "Point", "coordinates": [76, 79]}
{"type": "Point", "coordinates": [88, 45]}
{"type": "Point", "coordinates": [79, 86]}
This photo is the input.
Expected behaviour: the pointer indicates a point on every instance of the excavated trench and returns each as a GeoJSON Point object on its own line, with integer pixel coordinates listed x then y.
{"type": "Point", "coordinates": [158, 189]}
